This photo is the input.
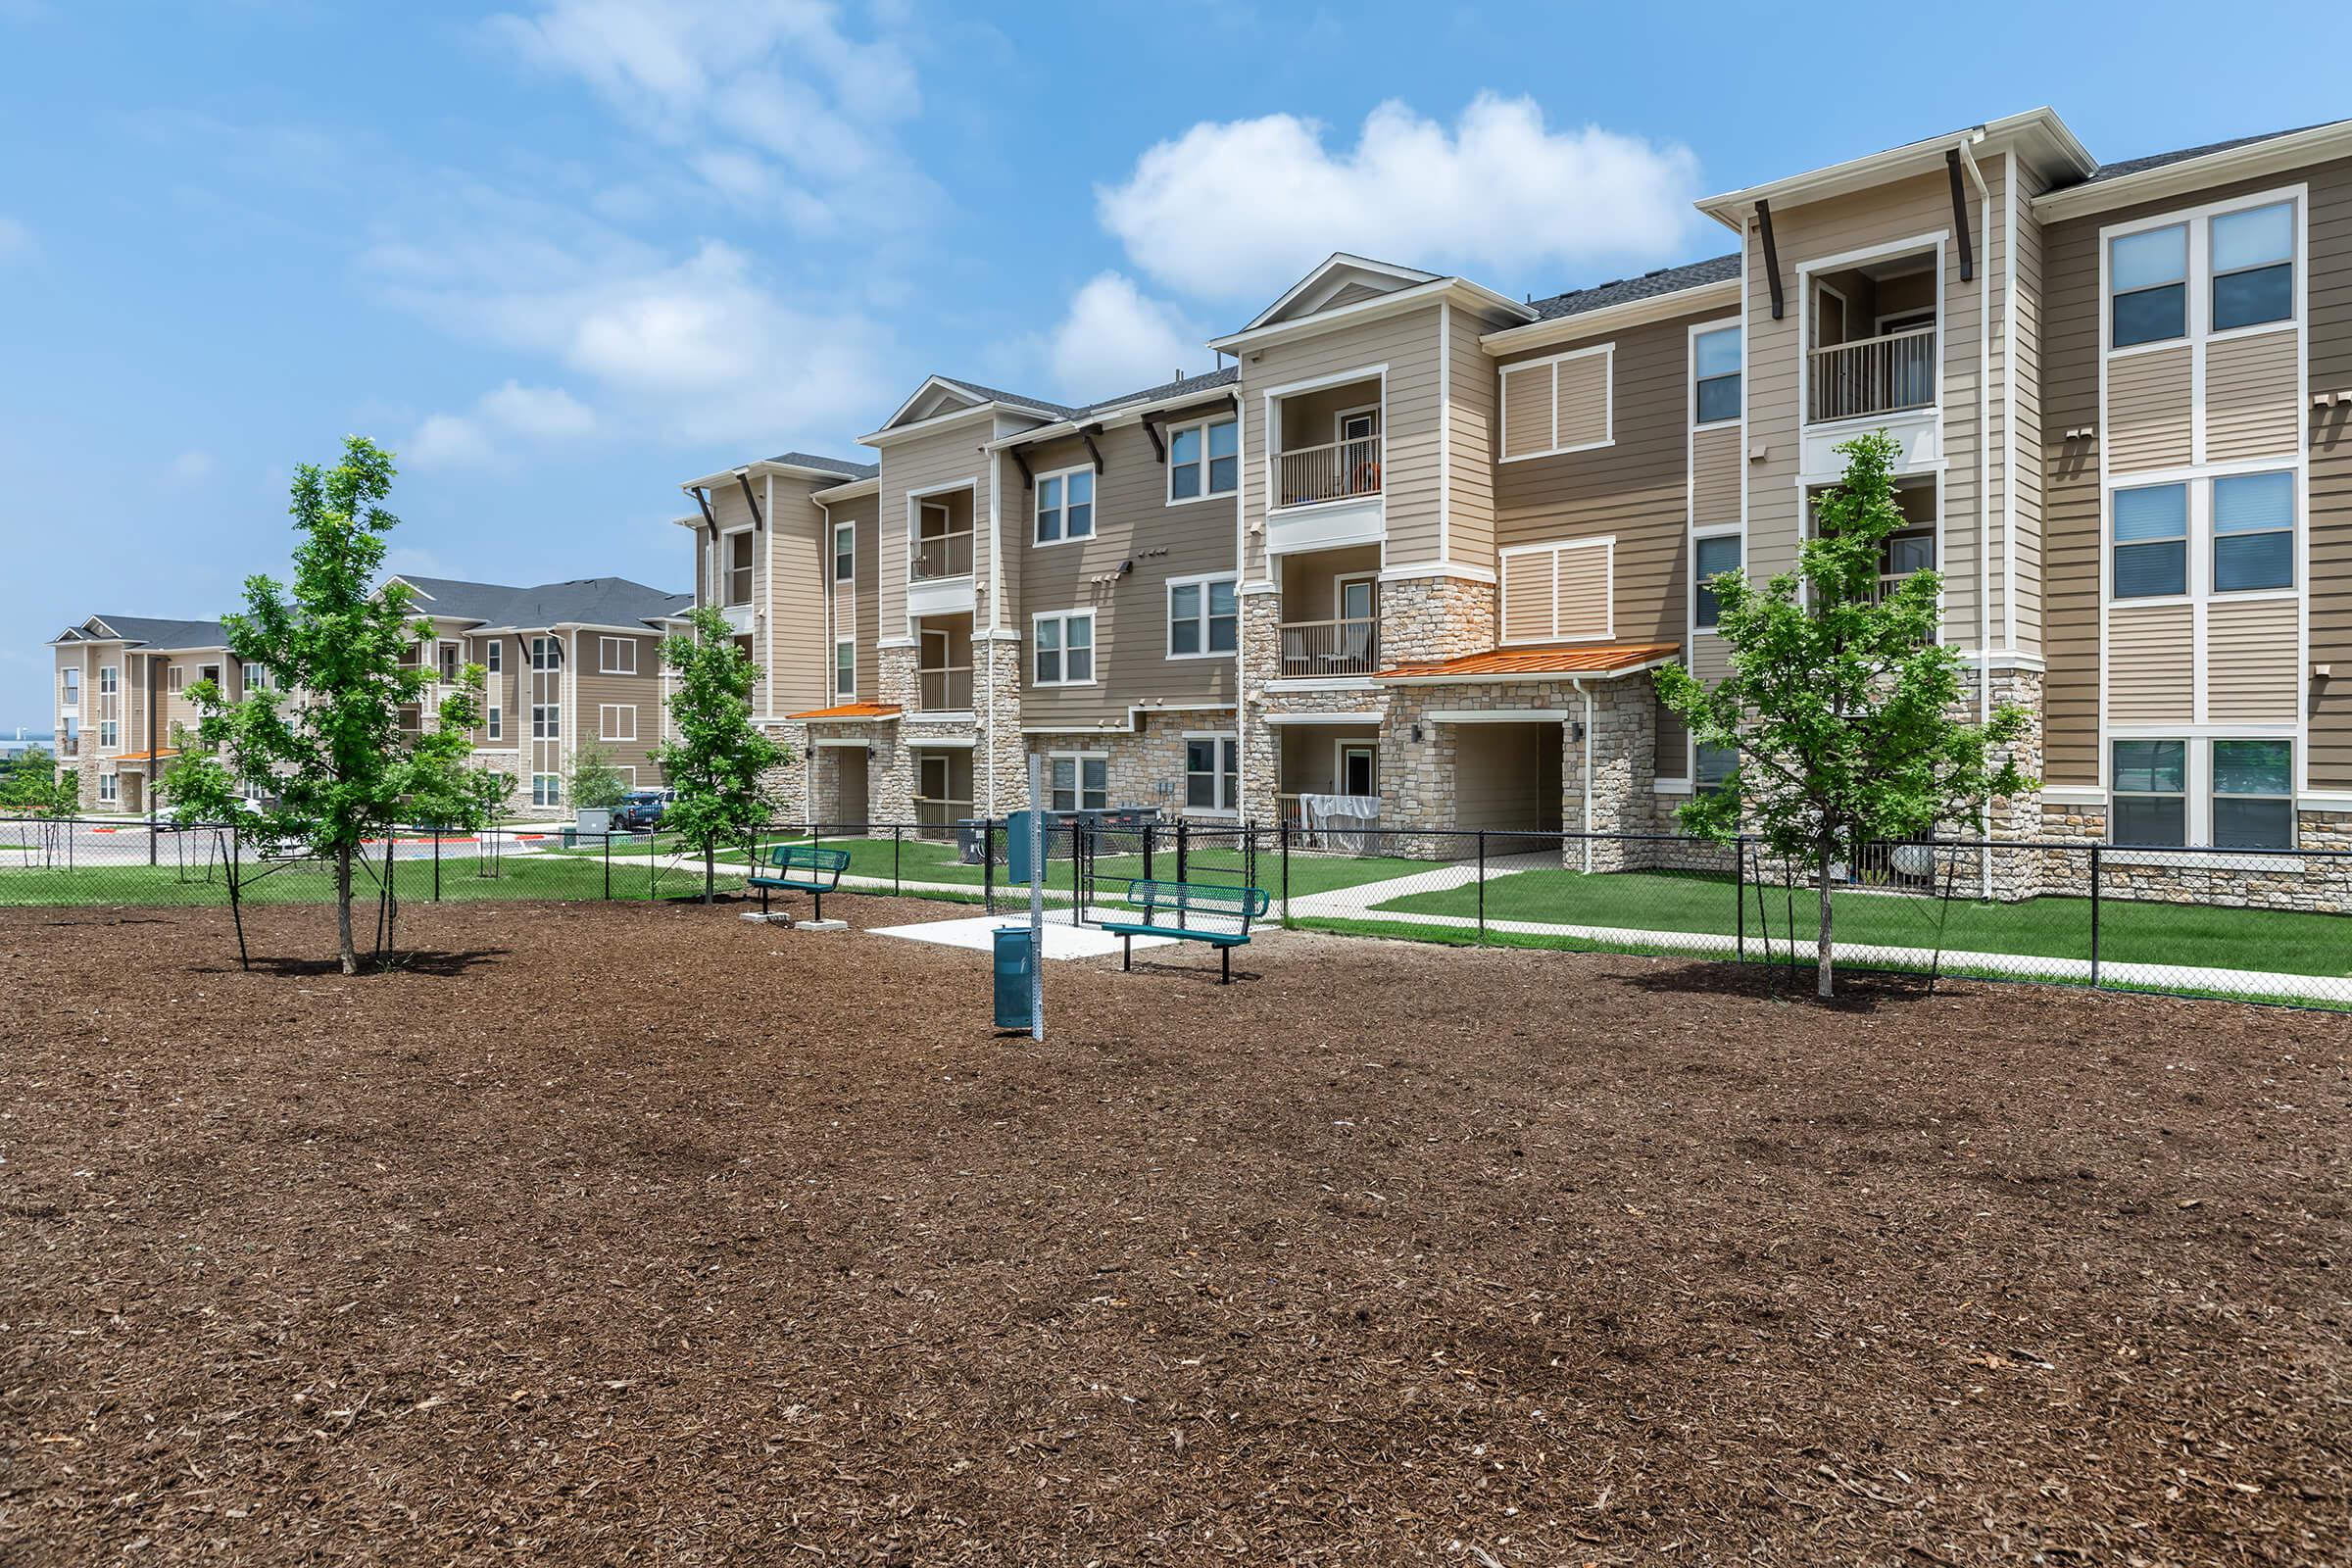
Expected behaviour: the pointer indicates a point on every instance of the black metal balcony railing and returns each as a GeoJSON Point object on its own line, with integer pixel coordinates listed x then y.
{"type": "Point", "coordinates": [1314, 648]}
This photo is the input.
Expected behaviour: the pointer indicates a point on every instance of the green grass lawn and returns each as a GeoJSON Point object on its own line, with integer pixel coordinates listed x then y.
{"type": "Point", "coordinates": [2282, 941]}
{"type": "Point", "coordinates": [520, 876]}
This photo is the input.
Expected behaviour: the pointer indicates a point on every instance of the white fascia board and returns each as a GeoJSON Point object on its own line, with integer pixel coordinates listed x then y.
{"type": "Point", "coordinates": [1473, 296]}
{"type": "Point", "coordinates": [2038, 131]}
{"type": "Point", "coordinates": [942, 422]}
{"type": "Point", "coordinates": [2258, 158]}
{"type": "Point", "coordinates": [1608, 318]}
{"type": "Point", "coordinates": [853, 490]}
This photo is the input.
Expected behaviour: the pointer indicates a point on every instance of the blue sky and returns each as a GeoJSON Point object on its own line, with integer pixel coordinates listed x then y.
{"type": "Point", "coordinates": [563, 254]}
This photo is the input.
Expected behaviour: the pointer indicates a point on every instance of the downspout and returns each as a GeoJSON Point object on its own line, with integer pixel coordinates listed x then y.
{"type": "Point", "coordinates": [1968, 160]}
{"type": "Point", "coordinates": [1586, 692]}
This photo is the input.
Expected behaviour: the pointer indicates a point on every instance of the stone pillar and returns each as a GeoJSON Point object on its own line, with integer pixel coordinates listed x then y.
{"type": "Point", "coordinates": [1623, 746]}
{"type": "Point", "coordinates": [1001, 756]}
{"type": "Point", "coordinates": [1260, 662]}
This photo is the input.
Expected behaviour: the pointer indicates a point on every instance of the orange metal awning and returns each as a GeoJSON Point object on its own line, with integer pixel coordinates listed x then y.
{"type": "Point", "coordinates": [851, 711]}
{"type": "Point", "coordinates": [1548, 663]}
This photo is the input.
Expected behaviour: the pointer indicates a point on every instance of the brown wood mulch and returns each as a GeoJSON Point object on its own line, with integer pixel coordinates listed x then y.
{"type": "Point", "coordinates": [626, 1234]}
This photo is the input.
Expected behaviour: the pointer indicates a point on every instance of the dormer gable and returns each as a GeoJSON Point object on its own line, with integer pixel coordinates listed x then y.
{"type": "Point", "coordinates": [1341, 281]}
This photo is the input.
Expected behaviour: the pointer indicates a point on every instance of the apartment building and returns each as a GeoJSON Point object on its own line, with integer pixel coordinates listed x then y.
{"type": "Point", "coordinates": [1421, 544]}
{"type": "Point", "coordinates": [566, 662]}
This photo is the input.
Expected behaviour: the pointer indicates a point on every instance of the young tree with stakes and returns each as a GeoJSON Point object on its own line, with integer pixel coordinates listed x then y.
{"type": "Point", "coordinates": [1840, 705]}
{"type": "Point", "coordinates": [719, 763]}
{"type": "Point", "coordinates": [320, 742]}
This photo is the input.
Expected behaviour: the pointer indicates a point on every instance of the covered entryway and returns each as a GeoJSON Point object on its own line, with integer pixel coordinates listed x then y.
{"type": "Point", "coordinates": [841, 798]}
{"type": "Point", "coordinates": [1506, 774]}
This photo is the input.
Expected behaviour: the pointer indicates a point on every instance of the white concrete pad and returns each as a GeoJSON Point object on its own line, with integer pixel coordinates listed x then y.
{"type": "Point", "coordinates": [1062, 940]}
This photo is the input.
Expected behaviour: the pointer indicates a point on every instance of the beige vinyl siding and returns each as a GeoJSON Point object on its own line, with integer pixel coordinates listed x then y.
{"type": "Point", "coordinates": [1408, 344]}
{"type": "Point", "coordinates": [2148, 411]}
{"type": "Point", "coordinates": [1471, 421]}
{"type": "Point", "coordinates": [1898, 211]}
{"type": "Point", "coordinates": [951, 456]}
{"type": "Point", "coordinates": [1133, 521]}
{"type": "Point", "coordinates": [1352, 294]}
{"type": "Point", "coordinates": [2153, 678]}
{"type": "Point", "coordinates": [2250, 654]}
{"type": "Point", "coordinates": [500, 689]}
{"type": "Point", "coordinates": [2253, 398]}
{"type": "Point", "coordinates": [2022, 305]}
{"type": "Point", "coordinates": [856, 614]}
{"type": "Point", "coordinates": [1716, 462]}
{"type": "Point", "coordinates": [798, 557]}
{"type": "Point", "coordinates": [596, 691]}
{"type": "Point", "coordinates": [2072, 513]}
{"type": "Point", "coordinates": [1635, 490]}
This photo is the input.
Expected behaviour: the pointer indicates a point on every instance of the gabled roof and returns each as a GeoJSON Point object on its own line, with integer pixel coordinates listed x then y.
{"type": "Point", "coordinates": [1184, 386]}
{"type": "Point", "coordinates": [582, 601]}
{"type": "Point", "coordinates": [926, 401]}
{"type": "Point", "coordinates": [2137, 166]}
{"type": "Point", "coordinates": [1649, 286]}
{"type": "Point", "coordinates": [149, 631]}
{"type": "Point", "coordinates": [841, 466]}
{"type": "Point", "coordinates": [1334, 273]}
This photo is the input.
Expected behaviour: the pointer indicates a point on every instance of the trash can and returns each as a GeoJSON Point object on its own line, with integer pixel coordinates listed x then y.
{"type": "Point", "coordinates": [1014, 955]}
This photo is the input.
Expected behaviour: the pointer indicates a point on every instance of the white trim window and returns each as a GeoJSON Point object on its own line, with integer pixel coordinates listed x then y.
{"type": "Point", "coordinates": [546, 653]}
{"type": "Point", "coordinates": [616, 722]}
{"type": "Point", "coordinates": [1205, 618]}
{"type": "Point", "coordinates": [110, 734]}
{"type": "Point", "coordinates": [1212, 773]}
{"type": "Point", "coordinates": [1204, 460]}
{"type": "Point", "coordinates": [1558, 404]}
{"type": "Point", "coordinates": [68, 682]}
{"type": "Point", "coordinates": [1715, 369]}
{"type": "Point", "coordinates": [2148, 543]}
{"type": "Point", "coordinates": [2253, 804]}
{"type": "Point", "coordinates": [738, 558]}
{"type": "Point", "coordinates": [617, 656]}
{"type": "Point", "coordinates": [547, 789]}
{"type": "Point", "coordinates": [844, 552]}
{"type": "Point", "coordinates": [547, 722]}
{"type": "Point", "coordinates": [2150, 792]}
{"type": "Point", "coordinates": [109, 679]}
{"type": "Point", "coordinates": [2148, 286]}
{"type": "Point", "coordinates": [1712, 766]}
{"type": "Point", "coordinates": [2253, 531]}
{"type": "Point", "coordinates": [1711, 556]}
{"type": "Point", "coordinates": [2253, 265]}
{"type": "Point", "coordinates": [109, 788]}
{"type": "Point", "coordinates": [256, 677]}
{"type": "Point", "coordinates": [1077, 781]}
{"type": "Point", "coordinates": [176, 678]}
{"type": "Point", "coordinates": [494, 721]}
{"type": "Point", "coordinates": [2204, 273]}
{"type": "Point", "coordinates": [446, 664]}
{"type": "Point", "coordinates": [845, 667]}
{"type": "Point", "coordinates": [1063, 648]}
{"type": "Point", "coordinates": [1065, 505]}
{"type": "Point", "coordinates": [493, 659]}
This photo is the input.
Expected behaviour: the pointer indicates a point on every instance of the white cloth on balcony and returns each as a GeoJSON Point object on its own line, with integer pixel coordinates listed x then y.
{"type": "Point", "coordinates": [1342, 822]}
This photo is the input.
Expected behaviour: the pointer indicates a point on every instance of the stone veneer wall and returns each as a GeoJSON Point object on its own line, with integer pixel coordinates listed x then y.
{"type": "Point", "coordinates": [1261, 665]}
{"type": "Point", "coordinates": [1145, 768]}
{"type": "Point", "coordinates": [1000, 754]}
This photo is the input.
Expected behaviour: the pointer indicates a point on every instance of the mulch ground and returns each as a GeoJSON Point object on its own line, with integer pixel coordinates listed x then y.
{"type": "Point", "coordinates": [629, 1234]}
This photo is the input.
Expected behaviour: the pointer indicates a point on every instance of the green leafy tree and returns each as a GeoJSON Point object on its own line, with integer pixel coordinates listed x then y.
{"type": "Point", "coordinates": [321, 741]}
{"type": "Point", "coordinates": [595, 784]}
{"type": "Point", "coordinates": [33, 784]}
{"type": "Point", "coordinates": [719, 762]}
{"type": "Point", "coordinates": [1841, 705]}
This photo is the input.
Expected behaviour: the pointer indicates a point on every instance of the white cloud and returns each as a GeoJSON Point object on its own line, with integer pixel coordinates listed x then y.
{"type": "Point", "coordinates": [770, 101]}
{"type": "Point", "coordinates": [192, 467]}
{"type": "Point", "coordinates": [1115, 339]}
{"type": "Point", "coordinates": [467, 441]}
{"type": "Point", "coordinates": [15, 239]}
{"type": "Point", "coordinates": [1243, 208]}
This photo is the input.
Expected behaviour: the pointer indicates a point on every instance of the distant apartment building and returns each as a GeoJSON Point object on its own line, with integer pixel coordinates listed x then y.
{"type": "Point", "coordinates": [567, 663]}
{"type": "Point", "coordinates": [1421, 544]}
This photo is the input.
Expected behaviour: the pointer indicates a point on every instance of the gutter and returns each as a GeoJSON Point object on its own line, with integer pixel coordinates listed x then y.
{"type": "Point", "coordinates": [1968, 160]}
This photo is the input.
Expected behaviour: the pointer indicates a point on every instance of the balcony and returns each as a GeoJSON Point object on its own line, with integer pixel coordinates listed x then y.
{"type": "Point", "coordinates": [939, 556]}
{"type": "Point", "coordinates": [1317, 650]}
{"type": "Point", "coordinates": [1338, 470]}
{"type": "Point", "coordinates": [944, 689]}
{"type": "Point", "coordinates": [1875, 375]}
{"type": "Point", "coordinates": [68, 746]}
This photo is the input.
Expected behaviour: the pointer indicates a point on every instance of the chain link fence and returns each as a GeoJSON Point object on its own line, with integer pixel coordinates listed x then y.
{"type": "Point", "coordinates": [2266, 926]}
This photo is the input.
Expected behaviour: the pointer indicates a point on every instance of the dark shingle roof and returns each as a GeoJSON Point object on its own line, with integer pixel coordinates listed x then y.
{"type": "Point", "coordinates": [155, 632]}
{"type": "Point", "coordinates": [841, 466]}
{"type": "Point", "coordinates": [1182, 386]}
{"type": "Point", "coordinates": [2134, 165]}
{"type": "Point", "coordinates": [588, 601]}
{"type": "Point", "coordinates": [1649, 286]}
{"type": "Point", "coordinates": [997, 395]}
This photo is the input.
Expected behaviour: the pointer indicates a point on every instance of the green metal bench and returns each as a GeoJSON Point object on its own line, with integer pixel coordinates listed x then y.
{"type": "Point", "coordinates": [1191, 911]}
{"type": "Point", "coordinates": [802, 868]}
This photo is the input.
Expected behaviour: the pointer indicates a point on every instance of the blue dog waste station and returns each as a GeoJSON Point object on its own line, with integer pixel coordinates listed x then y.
{"type": "Point", "coordinates": [1015, 958]}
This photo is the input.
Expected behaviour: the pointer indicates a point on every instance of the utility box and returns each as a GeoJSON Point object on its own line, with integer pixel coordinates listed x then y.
{"type": "Point", "coordinates": [1016, 959]}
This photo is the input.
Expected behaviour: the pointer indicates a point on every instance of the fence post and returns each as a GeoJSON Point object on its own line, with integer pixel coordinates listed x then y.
{"type": "Point", "coordinates": [1482, 884]}
{"type": "Point", "coordinates": [898, 837]}
{"type": "Point", "coordinates": [1148, 830]}
{"type": "Point", "coordinates": [1740, 899]}
{"type": "Point", "coordinates": [608, 865]}
{"type": "Point", "coordinates": [436, 862]}
{"type": "Point", "coordinates": [1184, 843]}
{"type": "Point", "coordinates": [2094, 916]}
{"type": "Point", "coordinates": [988, 865]}
{"type": "Point", "coordinates": [1283, 833]}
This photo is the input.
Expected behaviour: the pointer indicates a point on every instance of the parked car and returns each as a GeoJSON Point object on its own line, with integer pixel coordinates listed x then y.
{"type": "Point", "coordinates": [643, 809]}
